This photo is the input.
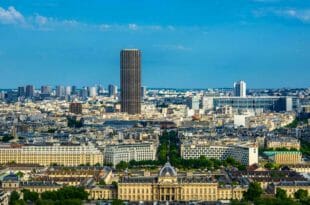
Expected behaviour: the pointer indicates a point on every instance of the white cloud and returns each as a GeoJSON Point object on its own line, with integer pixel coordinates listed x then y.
{"type": "Point", "coordinates": [302, 15]}
{"type": "Point", "coordinates": [104, 27]}
{"type": "Point", "coordinates": [133, 27]}
{"type": "Point", "coordinates": [172, 47]}
{"type": "Point", "coordinates": [44, 23]}
{"type": "Point", "coordinates": [11, 16]}
{"type": "Point", "coordinates": [41, 20]}
{"type": "Point", "coordinates": [292, 13]}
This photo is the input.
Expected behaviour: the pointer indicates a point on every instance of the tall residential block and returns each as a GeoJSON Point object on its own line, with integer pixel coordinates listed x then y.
{"type": "Point", "coordinates": [240, 89]}
{"type": "Point", "coordinates": [130, 65]}
{"type": "Point", "coordinates": [76, 108]}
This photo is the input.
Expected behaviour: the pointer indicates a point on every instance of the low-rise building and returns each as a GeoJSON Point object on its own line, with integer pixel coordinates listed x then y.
{"type": "Point", "coordinates": [301, 168]}
{"type": "Point", "coordinates": [169, 186]}
{"type": "Point", "coordinates": [283, 142]}
{"type": "Point", "coordinates": [101, 192]}
{"type": "Point", "coordinates": [284, 157]}
{"type": "Point", "coordinates": [4, 198]}
{"type": "Point", "coordinates": [291, 187]}
{"type": "Point", "coordinates": [68, 155]}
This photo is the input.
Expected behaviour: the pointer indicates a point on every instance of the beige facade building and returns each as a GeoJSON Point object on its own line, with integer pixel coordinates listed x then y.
{"type": "Point", "coordinates": [101, 192]}
{"type": "Point", "coordinates": [168, 186]}
{"type": "Point", "coordinates": [69, 155]}
{"type": "Point", "coordinates": [292, 187]}
{"type": "Point", "coordinates": [288, 143]}
{"type": "Point", "coordinates": [284, 157]}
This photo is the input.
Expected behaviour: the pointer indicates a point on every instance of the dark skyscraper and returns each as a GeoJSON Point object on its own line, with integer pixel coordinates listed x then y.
{"type": "Point", "coordinates": [21, 92]}
{"type": "Point", "coordinates": [46, 89]}
{"type": "Point", "coordinates": [29, 91]}
{"type": "Point", "coordinates": [131, 81]}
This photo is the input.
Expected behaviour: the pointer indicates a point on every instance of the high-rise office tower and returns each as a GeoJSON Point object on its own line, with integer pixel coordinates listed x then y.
{"type": "Point", "coordinates": [143, 92]}
{"type": "Point", "coordinates": [21, 91]}
{"type": "Point", "coordinates": [74, 90]}
{"type": "Point", "coordinates": [193, 102]}
{"type": "Point", "coordinates": [29, 91]}
{"type": "Point", "coordinates": [68, 90]}
{"type": "Point", "coordinates": [112, 90]}
{"type": "Point", "coordinates": [84, 93]}
{"type": "Point", "coordinates": [46, 89]}
{"type": "Point", "coordinates": [60, 91]}
{"type": "Point", "coordinates": [130, 81]}
{"type": "Point", "coordinates": [240, 89]}
{"type": "Point", "coordinates": [92, 91]}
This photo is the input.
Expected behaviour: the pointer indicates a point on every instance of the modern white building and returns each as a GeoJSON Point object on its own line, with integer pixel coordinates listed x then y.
{"type": "Point", "coordinates": [240, 89]}
{"type": "Point", "coordinates": [68, 90]}
{"type": "Point", "coordinates": [60, 91]}
{"type": "Point", "coordinates": [92, 91]}
{"type": "Point", "coordinates": [246, 154]}
{"type": "Point", "coordinates": [125, 152]}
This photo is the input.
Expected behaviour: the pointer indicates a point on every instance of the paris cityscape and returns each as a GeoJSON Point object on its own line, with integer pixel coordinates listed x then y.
{"type": "Point", "coordinates": [133, 137]}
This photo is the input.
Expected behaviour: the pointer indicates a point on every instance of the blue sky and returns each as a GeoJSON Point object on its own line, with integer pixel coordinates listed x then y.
{"type": "Point", "coordinates": [185, 43]}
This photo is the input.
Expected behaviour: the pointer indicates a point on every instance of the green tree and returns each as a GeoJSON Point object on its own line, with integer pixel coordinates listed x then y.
{"type": "Point", "coordinates": [14, 197]}
{"type": "Point", "coordinates": [301, 194]}
{"type": "Point", "coordinates": [254, 192]}
{"type": "Point", "coordinates": [67, 192]}
{"type": "Point", "coordinates": [117, 202]}
{"type": "Point", "coordinates": [101, 182]}
{"type": "Point", "coordinates": [30, 196]}
{"type": "Point", "coordinates": [49, 195]}
{"type": "Point", "coordinates": [121, 166]}
{"type": "Point", "coordinates": [236, 202]}
{"type": "Point", "coordinates": [114, 183]}
{"type": "Point", "coordinates": [45, 202]}
{"type": "Point", "coordinates": [71, 202]}
{"type": "Point", "coordinates": [20, 174]}
{"type": "Point", "coordinates": [281, 194]}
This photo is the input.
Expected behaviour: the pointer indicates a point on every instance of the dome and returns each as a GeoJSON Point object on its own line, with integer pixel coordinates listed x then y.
{"type": "Point", "coordinates": [167, 171]}
{"type": "Point", "coordinates": [11, 177]}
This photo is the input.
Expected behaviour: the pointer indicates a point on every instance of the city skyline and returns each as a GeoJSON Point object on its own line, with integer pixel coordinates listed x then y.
{"type": "Point", "coordinates": [211, 46]}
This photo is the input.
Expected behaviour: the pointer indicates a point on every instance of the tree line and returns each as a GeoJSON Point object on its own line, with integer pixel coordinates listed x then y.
{"type": "Point", "coordinates": [68, 195]}
{"type": "Point", "coordinates": [254, 195]}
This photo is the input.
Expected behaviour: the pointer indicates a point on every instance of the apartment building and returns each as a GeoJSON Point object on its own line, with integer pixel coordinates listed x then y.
{"type": "Point", "coordinates": [67, 155]}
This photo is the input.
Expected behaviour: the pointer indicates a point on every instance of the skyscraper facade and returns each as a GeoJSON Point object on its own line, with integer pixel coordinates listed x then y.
{"type": "Point", "coordinates": [21, 91]}
{"type": "Point", "coordinates": [60, 91]}
{"type": "Point", "coordinates": [68, 90]}
{"type": "Point", "coordinates": [240, 89]}
{"type": "Point", "coordinates": [143, 92]}
{"type": "Point", "coordinates": [46, 89]}
{"type": "Point", "coordinates": [29, 91]}
{"type": "Point", "coordinates": [92, 91]}
{"type": "Point", "coordinates": [112, 90]}
{"type": "Point", "coordinates": [130, 65]}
